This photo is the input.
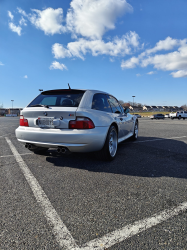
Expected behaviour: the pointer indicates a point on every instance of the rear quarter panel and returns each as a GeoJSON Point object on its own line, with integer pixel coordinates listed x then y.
{"type": "Point", "coordinates": [99, 118]}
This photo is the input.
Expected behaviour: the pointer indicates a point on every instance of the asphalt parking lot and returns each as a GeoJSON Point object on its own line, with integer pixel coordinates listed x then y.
{"type": "Point", "coordinates": [138, 201]}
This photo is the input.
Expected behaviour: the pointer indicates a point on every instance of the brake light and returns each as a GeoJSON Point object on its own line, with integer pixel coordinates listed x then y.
{"type": "Point", "coordinates": [23, 121]}
{"type": "Point", "coordinates": [81, 123]}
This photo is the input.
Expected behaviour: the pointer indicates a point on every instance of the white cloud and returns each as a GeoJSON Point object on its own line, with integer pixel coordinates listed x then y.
{"type": "Point", "coordinates": [15, 28]}
{"type": "Point", "coordinates": [10, 15]}
{"type": "Point", "coordinates": [180, 73]}
{"type": "Point", "coordinates": [25, 76]}
{"type": "Point", "coordinates": [1, 64]}
{"type": "Point", "coordinates": [117, 47]}
{"type": "Point", "coordinates": [22, 12]}
{"type": "Point", "coordinates": [49, 20]}
{"type": "Point", "coordinates": [22, 21]}
{"type": "Point", "coordinates": [151, 73]}
{"type": "Point", "coordinates": [138, 75]}
{"type": "Point", "coordinates": [129, 64]}
{"type": "Point", "coordinates": [92, 18]}
{"type": "Point", "coordinates": [167, 44]}
{"type": "Point", "coordinates": [174, 61]}
{"type": "Point", "coordinates": [88, 18]}
{"type": "Point", "coordinates": [57, 65]}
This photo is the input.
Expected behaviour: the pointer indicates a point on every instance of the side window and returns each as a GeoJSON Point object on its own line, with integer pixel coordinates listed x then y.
{"type": "Point", "coordinates": [114, 105]}
{"type": "Point", "coordinates": [100, 102]}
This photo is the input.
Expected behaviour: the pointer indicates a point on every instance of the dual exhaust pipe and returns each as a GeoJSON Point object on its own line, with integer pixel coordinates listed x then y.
{"type": "Point", "coordinates": [60, 150]}
{"type": "Point", "coordinates": [30, 146]}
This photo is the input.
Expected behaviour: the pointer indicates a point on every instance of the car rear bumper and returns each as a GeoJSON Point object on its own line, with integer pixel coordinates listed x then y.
{"type": "Point", "coordinates": [75, 140]}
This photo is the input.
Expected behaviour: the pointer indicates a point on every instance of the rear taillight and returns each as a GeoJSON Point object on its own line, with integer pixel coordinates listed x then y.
{"type": "Point", "coordinates": [23, 122]}
{"type": "Point", "coordinates": [81, 123]}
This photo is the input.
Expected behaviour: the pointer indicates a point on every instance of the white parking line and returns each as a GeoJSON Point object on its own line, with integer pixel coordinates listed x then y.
{"type": "Point", "coordinates": [60, 231]}
{"type": "Point", "coordinates": [120, 235]}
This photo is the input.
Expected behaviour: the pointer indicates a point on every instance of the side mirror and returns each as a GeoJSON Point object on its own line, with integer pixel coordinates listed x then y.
{"type": "Point", "coordinates": [126, 110]}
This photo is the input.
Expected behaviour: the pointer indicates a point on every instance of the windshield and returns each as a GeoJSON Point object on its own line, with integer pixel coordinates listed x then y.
{"type": "Point", "coordinates": [58, 98]}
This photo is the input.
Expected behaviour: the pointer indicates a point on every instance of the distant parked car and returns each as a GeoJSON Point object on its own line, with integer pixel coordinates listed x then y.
{"type": "Point", "coordinates": [137, 115]}
{"type": "Point", "coordinates": [179, 115]}
{"type": "Point", "coordinates": [167, 116]}
{"type": "Point", "coordinates": [157, 116]}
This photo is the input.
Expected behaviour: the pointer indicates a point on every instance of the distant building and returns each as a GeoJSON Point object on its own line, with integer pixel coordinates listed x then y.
{"type": "Point", "coordinates": [14, 111]}
{"type": "Point", "coordinates": [154, 108]}
{"type": "Point", "coordinates": [147, 108]}
{"type": "Point", "coordinates": [160, 108]}
{"type": "Point", "coordinates": [135, 108]}
{"type": "Point", "coordinates": [4, 111]}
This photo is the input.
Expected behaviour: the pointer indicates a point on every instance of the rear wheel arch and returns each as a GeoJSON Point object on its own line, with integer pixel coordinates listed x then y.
{"type": "Point", "coordinates": [135, 133]}
{"type": "Point", "coordinates": [105, 153]}
{"type": "Point", "coordinates": [136, 121]}
{"type": "Point", "coordinates": [115, 125]}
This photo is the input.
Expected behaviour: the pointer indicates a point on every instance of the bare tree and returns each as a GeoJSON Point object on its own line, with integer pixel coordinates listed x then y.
{"type": "Point", "coordinates": [184, 107]}
{"type": "Point", "coordinates": [126, 104]}
{"type": "Point", "coordinates": [121, 102]}
{"type": "Point", "coordinates": [1, 106]}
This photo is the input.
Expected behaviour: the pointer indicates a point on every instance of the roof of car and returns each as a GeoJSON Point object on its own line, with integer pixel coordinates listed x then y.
{"type": "Point", "coordinates": [91, 90]}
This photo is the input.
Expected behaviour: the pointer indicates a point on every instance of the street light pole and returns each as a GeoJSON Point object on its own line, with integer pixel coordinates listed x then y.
{"type": "Point", "coordinates": [133, 103]}
{"type": "Point", "coordinates": [12, 105]}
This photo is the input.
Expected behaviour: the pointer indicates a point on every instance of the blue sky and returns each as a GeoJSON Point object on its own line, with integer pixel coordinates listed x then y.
{"type": "Point", "coordinates": [122, 47]}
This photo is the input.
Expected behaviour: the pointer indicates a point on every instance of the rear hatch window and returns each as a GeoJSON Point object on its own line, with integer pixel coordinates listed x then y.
{"type": "Point", "coordinates": [58, 98]}
{"type": "Point", "coordinates": [53, 109]}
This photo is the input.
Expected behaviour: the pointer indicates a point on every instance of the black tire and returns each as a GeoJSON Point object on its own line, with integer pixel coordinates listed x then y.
{"type": "Point", "coordinates": [39, 150]}
{"type": "Point", "coordinates": [183, 118]}
{"type": "Point", "coordinates": [135, 134]}
{"type": "Point", "coordinates": [179, 117]}
{"type": "Point", "coordinates": [104, 153]}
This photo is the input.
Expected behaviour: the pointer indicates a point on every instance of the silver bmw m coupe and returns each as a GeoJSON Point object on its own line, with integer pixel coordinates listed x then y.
{"type": "Point", "coordinates": [74, 120]}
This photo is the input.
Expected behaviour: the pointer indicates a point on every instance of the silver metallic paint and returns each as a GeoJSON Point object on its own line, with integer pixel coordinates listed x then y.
{"type": "Point", "coordinates": [75, 140]}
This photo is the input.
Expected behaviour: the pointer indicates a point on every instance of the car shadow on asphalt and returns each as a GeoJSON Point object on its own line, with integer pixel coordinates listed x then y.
{"type": "Point", "coordinates": [154, 158]}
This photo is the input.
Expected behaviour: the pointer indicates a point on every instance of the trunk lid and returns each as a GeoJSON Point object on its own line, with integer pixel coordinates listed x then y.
{"type": "Point", "coordinates": [60, 116]}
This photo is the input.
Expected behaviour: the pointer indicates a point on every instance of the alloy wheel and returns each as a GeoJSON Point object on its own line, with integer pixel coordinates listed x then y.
{"type": "Point", "coordinates": [113, 142]}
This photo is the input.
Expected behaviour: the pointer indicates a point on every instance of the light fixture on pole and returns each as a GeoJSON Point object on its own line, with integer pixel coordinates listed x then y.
{"type": "Point", "coordinates": [40, 90]}
{"type": "Point", "coordinates": [12, 105]}
{"type": "Point", "coordinates": [133, 102]}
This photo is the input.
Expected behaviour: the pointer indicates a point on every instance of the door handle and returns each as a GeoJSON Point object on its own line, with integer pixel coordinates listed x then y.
{"type": "Point", "coordinates": [121, 119]}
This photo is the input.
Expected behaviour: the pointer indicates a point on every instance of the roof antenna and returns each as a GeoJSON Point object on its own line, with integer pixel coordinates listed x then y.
{"type": "Point", "coordinates": [69, 86]}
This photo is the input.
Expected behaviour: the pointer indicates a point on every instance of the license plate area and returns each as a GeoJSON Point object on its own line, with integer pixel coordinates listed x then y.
{"type": "Point", "coordinates": [45, 122]}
